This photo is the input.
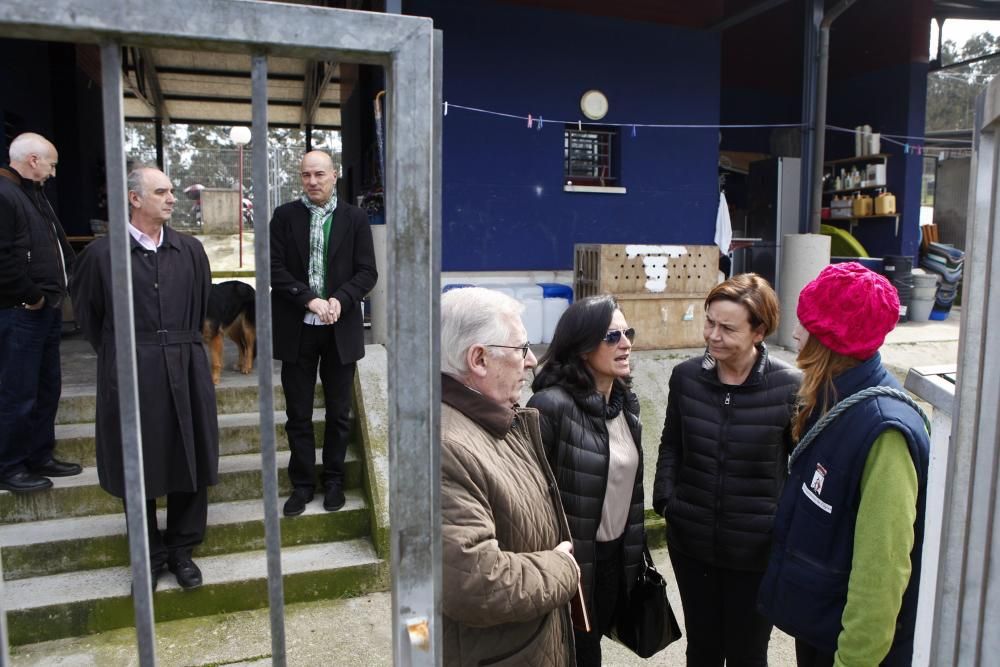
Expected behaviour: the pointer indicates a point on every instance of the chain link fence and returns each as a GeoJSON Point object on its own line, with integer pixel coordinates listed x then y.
{"type": "Point", "coordinates": [192, 169]}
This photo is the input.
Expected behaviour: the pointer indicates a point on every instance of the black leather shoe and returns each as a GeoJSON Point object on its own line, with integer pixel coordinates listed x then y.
{"type": "Point", "coordinates": [24, 481]}
{"type": "Point", "coordinates": [296, 503]}
{"type": "Point", "coordinates": [333, 499]}
{"type": "Point", "coordinates": [187, 573]}
{"type": "Point", "coordinates": [55, 468]}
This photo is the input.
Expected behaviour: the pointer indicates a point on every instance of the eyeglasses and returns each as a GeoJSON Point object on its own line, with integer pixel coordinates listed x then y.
{"type": "Point", "coordinates": [615, 335]}
{"type": "Point", "coordinates": [524, 348]}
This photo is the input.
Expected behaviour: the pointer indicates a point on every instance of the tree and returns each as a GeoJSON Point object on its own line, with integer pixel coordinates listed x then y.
{"type": "Point", "coordinates": [951, 93]}
{"type": "Point", "coordinates": [205, 155]}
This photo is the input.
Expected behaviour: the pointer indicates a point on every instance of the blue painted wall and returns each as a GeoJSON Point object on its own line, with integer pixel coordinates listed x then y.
{"type": "Point", "coordinates": [893, 101]}
{"type": "Point", "coordinates": [504, 207]}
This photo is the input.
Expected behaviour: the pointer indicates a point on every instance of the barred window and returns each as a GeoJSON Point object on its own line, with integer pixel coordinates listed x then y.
{"type": "Point", "coordinates": [590, 155]}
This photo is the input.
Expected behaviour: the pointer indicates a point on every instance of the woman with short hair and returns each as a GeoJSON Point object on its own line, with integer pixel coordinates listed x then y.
{"type": "Point", "coordinates": [593, 441]}
{"type": "Point", "coordinates": [723, 452]}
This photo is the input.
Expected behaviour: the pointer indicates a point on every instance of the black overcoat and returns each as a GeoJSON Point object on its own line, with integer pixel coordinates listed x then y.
{"type": "Point", "coordinates": [350, 275]}
{"type": "Point", "coordinates": [180, 433]}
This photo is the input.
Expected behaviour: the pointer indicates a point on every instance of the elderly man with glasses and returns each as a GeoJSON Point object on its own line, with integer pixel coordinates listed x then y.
{"type": "Point", "coordinates": [509, 572]}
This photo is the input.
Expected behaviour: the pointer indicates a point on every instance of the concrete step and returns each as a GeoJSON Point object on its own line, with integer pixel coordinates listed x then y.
{"type": "Point", "coordinates": [42, 548]}
{"type": "Point", "coordinates": [81, 603]}
{"type": "Point", "coordinates": [238, 434]}
{"type": "Point", "coordinates": [78, 403]}
{"type": "Point", "coordinates": [239, 479]}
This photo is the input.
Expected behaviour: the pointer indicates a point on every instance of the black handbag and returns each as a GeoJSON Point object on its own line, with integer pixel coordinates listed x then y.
{"type": "Point", "coordinates": [646, 624]}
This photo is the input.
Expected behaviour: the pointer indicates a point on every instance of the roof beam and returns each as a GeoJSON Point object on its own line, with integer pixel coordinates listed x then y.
{"type": "Point", "coordinates": [146, 85]}
{"type": "Point", "coordinates": [745, 15]}
{"type": "Point", "coordinates": [318, 77]}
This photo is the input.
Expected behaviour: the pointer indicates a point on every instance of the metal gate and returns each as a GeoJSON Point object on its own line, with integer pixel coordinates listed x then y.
{"type": "Point", "coordinates": [966, 609]}
{"type": "Point", "coordinates": [410, 51]}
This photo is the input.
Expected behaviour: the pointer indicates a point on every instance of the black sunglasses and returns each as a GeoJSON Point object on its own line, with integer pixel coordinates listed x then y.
{"type": "Point", "coordinates": [615, 335]}
{"type": "Point", "coordinates": [524, 348]}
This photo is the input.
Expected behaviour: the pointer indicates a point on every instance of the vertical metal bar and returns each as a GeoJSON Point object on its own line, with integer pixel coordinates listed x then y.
{"type": "Point", "coordinates": [414, 403]}
{"type": "Point", "coordinates": [969, 548]}
{"type": "Point", "coordinates": [158, 133]}
{"type": "Point", "coordinates": [265, 368]}
{"type": "Point", "coordinates": [124, 323]}
{"type": "Point", "coordinates": [810, 45]}
{"type": "Point", "coordinates": [4, 637]}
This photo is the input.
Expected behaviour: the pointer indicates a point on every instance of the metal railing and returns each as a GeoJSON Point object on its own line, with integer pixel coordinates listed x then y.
{"type": "Point", "coordinates": [410, 51]}
{"type": "Point", "coordinates": [966, 604]}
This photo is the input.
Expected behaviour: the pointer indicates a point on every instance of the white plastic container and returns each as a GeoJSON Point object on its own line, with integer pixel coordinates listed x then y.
{"type": "Point", "coordinates": [553, 308]}
{"type": "Point", "coordinates": [533, 318]}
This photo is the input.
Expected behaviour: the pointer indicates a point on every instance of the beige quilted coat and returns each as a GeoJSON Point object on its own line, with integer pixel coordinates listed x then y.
{"type": "Point", "coordinates": [505, 591]}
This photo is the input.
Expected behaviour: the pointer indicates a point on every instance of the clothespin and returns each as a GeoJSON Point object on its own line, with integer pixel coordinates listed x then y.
{"type": "Point", "coordinates": [920, 150]}
{"type": "Point", "coordinates": [446, 108]}
{"type": "Point", "coordinates": [633, 131]}
{"type": "Point", "coordinates": [579, 125]}
{"type": "Point", "coordinates": [906, 148]}
{"type": "Point", "coordinates": [529, 121]}
{"type": "Point", "coordinates": [541, 121]}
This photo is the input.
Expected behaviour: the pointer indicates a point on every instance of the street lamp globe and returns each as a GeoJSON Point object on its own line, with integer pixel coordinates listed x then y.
{"type": "Point", "coordinates": [240, 135]}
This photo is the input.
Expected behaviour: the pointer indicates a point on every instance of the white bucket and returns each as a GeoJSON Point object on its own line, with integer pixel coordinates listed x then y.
{"type": "Point", "coordinates": [920, 309]}
{"type": "Point", "coordinates": [533, 318]}
{"type": "Point", "coordinates": [553, 308]}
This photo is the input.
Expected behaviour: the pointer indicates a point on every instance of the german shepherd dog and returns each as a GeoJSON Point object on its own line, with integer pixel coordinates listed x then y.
{"type": "Point", "coordinates": [231, 308]}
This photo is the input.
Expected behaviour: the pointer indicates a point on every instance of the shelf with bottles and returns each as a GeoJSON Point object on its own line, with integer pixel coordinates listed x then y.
{"type": "Point", "coordinates": [847, 175]}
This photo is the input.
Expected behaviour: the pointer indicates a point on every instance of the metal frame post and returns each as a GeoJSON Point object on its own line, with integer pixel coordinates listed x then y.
{"type": "Point", "coordinates": [413, 326]}
{"type": "Point", "coordinates": [265, 349]}
{"type": "Point", "coordinates": [967, 604]}
{"type": "Point", "coordinates": [405, 45]}
{"type": "Point", "coordinates": [126, 365]}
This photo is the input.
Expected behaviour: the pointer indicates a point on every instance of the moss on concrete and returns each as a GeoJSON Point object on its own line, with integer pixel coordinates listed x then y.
{"type": "Point", "coordinates": [371, 408]}
{"type": "Point", "coordinates": [108, 551]}
{"type": "Point", "coordinates": [78, 619]}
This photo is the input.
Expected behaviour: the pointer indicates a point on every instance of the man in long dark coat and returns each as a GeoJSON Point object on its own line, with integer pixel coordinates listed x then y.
{"type": "Point", "coordinates": [171, 280]}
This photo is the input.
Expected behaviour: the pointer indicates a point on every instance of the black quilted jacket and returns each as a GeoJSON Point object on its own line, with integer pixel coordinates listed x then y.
{"type": "Point", "coordinates": [575, 435]}
{"type": "Point", "coordinates": [723, 460]}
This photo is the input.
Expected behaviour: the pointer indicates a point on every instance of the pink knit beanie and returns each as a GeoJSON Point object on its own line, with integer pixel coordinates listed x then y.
{"type": "Point", "coordinates": [850, 309]}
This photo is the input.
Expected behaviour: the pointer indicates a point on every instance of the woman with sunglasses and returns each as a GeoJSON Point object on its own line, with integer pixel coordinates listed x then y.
{"type": "Point", "coordinates": [722, 463]}
{"type": "Point", "coordinates": [592, 436]}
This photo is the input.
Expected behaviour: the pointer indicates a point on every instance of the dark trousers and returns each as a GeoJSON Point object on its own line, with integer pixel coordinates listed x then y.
{"type": "Point", "coordinates": [608, 595]}
{"type": "Point", "coordinates": [187, 515]}
{"type": "Point", "coordinates": [720, 614]}
{"type": "Point", "coordinates": [807, 655]}
{"type": "Point", "coordinates": [30, 384]}
{"type": "Point", "coordinates": [317, 350]}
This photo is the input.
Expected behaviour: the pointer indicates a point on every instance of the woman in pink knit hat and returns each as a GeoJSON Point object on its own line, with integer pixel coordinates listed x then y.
{"type": "Point", "coordinates": [848, 534]}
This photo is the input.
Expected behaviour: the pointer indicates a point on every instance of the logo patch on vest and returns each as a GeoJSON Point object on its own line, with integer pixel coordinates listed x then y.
{"type": "Point", "coordinates": [817, 481]}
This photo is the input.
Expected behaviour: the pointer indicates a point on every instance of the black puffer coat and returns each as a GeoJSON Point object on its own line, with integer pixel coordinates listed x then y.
{"type": "Point", "coordinates": [575, 435]}
{"type": "Point", "coordinates": [723, 460]}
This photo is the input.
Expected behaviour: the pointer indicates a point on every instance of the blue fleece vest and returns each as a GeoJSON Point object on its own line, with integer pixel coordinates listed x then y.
{"type": "Point", "coordinates": [804, 590]}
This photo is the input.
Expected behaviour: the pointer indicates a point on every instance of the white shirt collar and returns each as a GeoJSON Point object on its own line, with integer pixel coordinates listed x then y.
{"type": "Point", "coordinates": [143, 239]}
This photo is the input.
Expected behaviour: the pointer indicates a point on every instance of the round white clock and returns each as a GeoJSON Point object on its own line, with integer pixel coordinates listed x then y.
{"type": "Point", "coordinates": [594, 105]}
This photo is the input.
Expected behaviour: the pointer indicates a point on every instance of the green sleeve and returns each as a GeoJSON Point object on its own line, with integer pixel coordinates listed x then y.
{"type": "Point", "coordinates": [883, 538]}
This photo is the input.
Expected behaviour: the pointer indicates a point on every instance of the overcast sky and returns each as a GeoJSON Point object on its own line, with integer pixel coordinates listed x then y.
{"type": "Point", "coordinates": [958, 31]}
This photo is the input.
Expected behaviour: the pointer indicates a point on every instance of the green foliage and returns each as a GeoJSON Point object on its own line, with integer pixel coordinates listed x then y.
{"type": "Point", "coordinates": [951, 93]}
{"type": "Point", "coordinates": [205, 155]}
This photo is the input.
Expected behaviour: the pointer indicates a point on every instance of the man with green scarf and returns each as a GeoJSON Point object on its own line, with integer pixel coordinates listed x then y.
{"type": "Point", "coordinates": [322, 266]}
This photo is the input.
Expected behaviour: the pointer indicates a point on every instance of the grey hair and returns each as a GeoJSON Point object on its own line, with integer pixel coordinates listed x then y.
{"type": "Point", "coordinates": [27, 144]}
{"type": "Point", "coordinates": [134, 181]}
{"type": "Point", "coordinates": [470, 316]}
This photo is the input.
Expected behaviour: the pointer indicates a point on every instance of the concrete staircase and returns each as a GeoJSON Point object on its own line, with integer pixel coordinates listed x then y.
{"type": "Point", "coordinates": [65, 551]}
